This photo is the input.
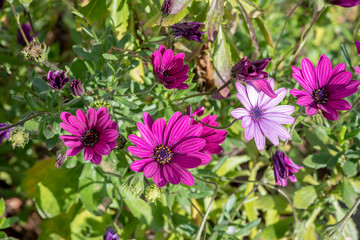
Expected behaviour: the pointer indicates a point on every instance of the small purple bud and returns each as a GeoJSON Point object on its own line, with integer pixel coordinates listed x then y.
{"type": "Point", "coordinates": [165, 9]}
{"type": "Point", "coordinates": [357, 44]}
{"type": "Point", "coordinates": [60, 160]}
{"type": "Point", "coordinates": [345, 3]}
{"type": "Point", "coordinates": [4, 134]}
{"type": "Point", "coordinates": [190, 31]}
{"type": "Point", "coordinates": [284, 168]}
{"type": "Point", "coordinates": [199, 111]}
{"type": "Point", "coordinates": [76, 87]}
{"type": "Point", "coordinates": [56, 80]}
{"type": "Point", "coordinates": [27, 30]}
{"type": "Point", "coordinates": [111, 234]}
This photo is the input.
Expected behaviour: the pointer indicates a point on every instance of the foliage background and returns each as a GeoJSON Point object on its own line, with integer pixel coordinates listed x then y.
{"type": "Point", "coordinates": [80, 200]}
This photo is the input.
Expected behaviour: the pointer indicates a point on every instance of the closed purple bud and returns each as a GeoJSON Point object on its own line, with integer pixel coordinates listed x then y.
{"type": "Point", "coordinates": [190, 31]}
{"type": "Point", "coordinates": [357, 44]}
{"type": "Point", "coordinates": [27, 30]}
{"type": "Point", "coordinates": [60, 159]}
{"type": "Point", "coordinates": [165, 9]}
{"type": "Point", "coordinates": [284, 168]}
{"type": "Point", "coordinates": [76, 87]}
{"type": "Point", "coordinates": [111, 234]}
{"type": "Point", "coordinates": [56, 80]}
{"type": "Point", "coordinates": [199, 111]}
{"type": "Point", "coordinates": [4, 134]}
{"type": "Point", "coordinates": [345, 3]}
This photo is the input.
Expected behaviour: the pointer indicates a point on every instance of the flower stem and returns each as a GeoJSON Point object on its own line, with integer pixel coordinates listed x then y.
{"type": "Point", "coordinates": [293, 126]}
{"type": "Point", "coordinates": [18, 23]}
{"type": "Point", "coordinates": [37, 114]}
{"type": "Point", "coordinates": [243, 201]}
{"type": "Point", "coordinates": [203, 222]}
{"type": "Point", "coordinates": [226, 127]}
{"type": "Point", "coordinates": [348, 111]}
{"type": "Point", "coordinates": [31, 23]}
{"type": "Point", "coordinates": [83, 100]}
{"type": "Point", "coordinates": [141, 92]}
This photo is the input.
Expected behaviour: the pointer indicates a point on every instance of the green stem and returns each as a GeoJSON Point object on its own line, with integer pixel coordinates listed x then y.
{"type": "Point", "coordinates": [203, 222]}
{"type": "Point", "coordinates": [349, 214]}
{"type": "Point", "coordinates": [37, 114]}
{"type": "Point", "coordinates": [141, 92]}
{"type": "Point", "coordinates": [226, 127]}
{"type": "Point", "coordinates": [242, 202]}
{"type": "Point", "coordinates": [293, 127]}
{"type": "Point", "coordinates": [31, 24]}
{"type": "Point", "coordinates": [354, 38]}
{"type": "Point", "coordinates": [18, 23]}
{"type": "Point", "coordinates": [83, 100]}
{"type": "Point", "coordinates": [348, 111]}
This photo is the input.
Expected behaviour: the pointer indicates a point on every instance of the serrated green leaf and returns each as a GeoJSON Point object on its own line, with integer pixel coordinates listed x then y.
{"type": "Point", "coordinates": [304, 197]}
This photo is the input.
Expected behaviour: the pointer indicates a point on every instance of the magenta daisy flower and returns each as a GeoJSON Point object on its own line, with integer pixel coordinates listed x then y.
{"type": "Point", "coordinates": [167, 150]}
{"type": "Point", "coordinates": [324, 87]}
{"type": "Point", "coordinates": [213, 137]}
{"type": "Point", "coordinates": [261, 117]}
{"type": "Point", "coordinates": [284, 168]}
{"type": "Point", "coordinates": [93, 132]}
{"type": "Point", "coordinates": [170, 70]}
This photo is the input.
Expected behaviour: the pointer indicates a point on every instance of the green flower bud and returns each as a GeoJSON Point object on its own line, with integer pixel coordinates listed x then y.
{"type": "Point", "coordinates": [121, 142]}
{"type": "Point", "coordinates": [35, 51]}
{"type": "Point", "coordinates": [19, 137]}
{"type": "Point", "coordinates": [134, 184]}
{"type": "Point", "coordinates": [332, 232]}
{"type": "Point", "coordinates": [153, 193]}
{"type": "Point", "coordinates": [125, 63]}
{"type": "Point", "coordinates": [26, 3]}
{"type": "Point", "coordinates": [101, 103]}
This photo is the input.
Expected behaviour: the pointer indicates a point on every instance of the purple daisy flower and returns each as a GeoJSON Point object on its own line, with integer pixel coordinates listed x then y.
{"type": "Point", "coordinates": [357, 44]}
{"type": "Point", "coordinates": [284, 168]}
{"type": "Point", "coordinates": [190, 31]}
{"type": "Point", "coordinates": [56, 80]}
{"type": "Point", "coordinates": [167, 150]}
{"type": "Point", "coordinates": [213, 137]}
{"type": "Point", "coordinates": [26, 27]}
{"type": "Point", "coordinates": [4, 134]}
{"type": "Point", "coordinates": [170, 70]}
{"type": "Point", "coordinates": [345, 3]}
{"type": "Point", "coordinates": [261, 117]}
{"type": "Point", "coordinates": [93, 132]}
{"type": "Point", "coordinates": [324, 87]}
{"type": "Point", "coordinates": [252, 73]}
{"type": "Point", "coordinates": [76, 87]}
{"type": "Point", "coordinates": [110, 234]}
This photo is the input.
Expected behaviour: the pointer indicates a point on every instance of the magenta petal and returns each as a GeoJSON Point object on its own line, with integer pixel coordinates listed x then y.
{"type": "Point", "coordinates": [311, 109]}
{"type": "Point", "coordinates": [218, 138]}
{"type": "Point", "coordinates": [148, 120]}
{"type": "Point", "coordinates": [141, 143]}
{"type": "Point", "coordinates": [182, 86]}
{"type": "Point", "coordinates": [112, 145]}
{"type": "Point", "coordinates": [113, 125]}
{"type": "Point", "coordinates": [242, 96]}
{"type": "Point", "coordinates": [190, 145]}
{"type": "Point", "coordinates": [102, 121]}
{"type": "Point", "coordinates": [249, 131]}
{"type": "Point", "coordinates": [266, 128]}
{"type": "Point", "coordinates": [65, 116]}
{"type": "Point", "coordinates": [213, 148]}
{"type": "Point", "coordinates": [305, 101]}
{"type": "Point", "coordinates": [91, 118]}
{"type": "Point", "coordinates": [308, 72]}
{"type": "Point", "coordinates": [146, 134]}
{"type": "Point", "coordinates": [70, 129]}
{"type": "Point", "coordinates": [341, 78]}
{"type": "Point", "coordinates": [194, 130]}
{"type": "Point", "coordinates": [82, 117]}
{"type": "Point", "coordinates": [298, 93]}
{"type": "Point", "coordinates": [108, 135]}
{"type": "Point", "coordinates": [96, 159]}
{"type": "Point", "coordinates": [139, 152]}
{"type": "Point", "coordinates": [159, 178]}
{"type": "Point", "coordinates": [186, 161]}
{"type": "Point", "coordinates": [73, 144]}
{"type": "Point", "coordinates": [102, 148]}
{"type": "Point", "coordinates": [323, 70]}
{"type": "Point", "coordinates": [151, 169]}
{"type": "Point", "coordinates": [167, 58]}
{"type": "Point", "coordinates": [338, 104]}
{"type": "Point", "coordinates": [73, 151]}
{"type": "Point", "coordinates": [338, 68]}
{"type": "Point", "coordinates": [88, 153]}
{"type": "Point", "coordinates": [259, 137]}
{"type": "Point", "coordinates": [171, 175]}
{"type": "Point", "coordinates": [328, 112]}
{"type": "Point", "coordinates": [75, 122]}
{"type": "Point", "coordinates": [158, 130]}
{"type": "Point", "coordinates": [204, 157]}
{"type": "Point", "coordinates": [357, 70]}
{"type": "Point", "coordinates": [139, 165]}
{"type": "Point", "coordinates": [186, 177]}
{"type": "Point", "coordinates": [302, 82]}
{"type": "Point", "coordinates": [69, 138]}
{"type": "Point", "coordinates": [264, 86]}
{"type": "Point", "coordinates": [170, 125]}
{"type": "Point", "coordinates": [178, 131]}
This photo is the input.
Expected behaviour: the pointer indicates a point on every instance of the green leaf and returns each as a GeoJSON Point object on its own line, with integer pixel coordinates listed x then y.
{"type": "Point", "coordinates": [348, 193]}
{"type": "Point", "coordinates": [304, 197]}
{"type": "Point", "coordinates": [265, 31]}
{"type": "Point", "coordinates": [108, 56]}
{"type": "Point", "coordinates": [349, 168]}
{"type": "Point", "coordinates": [93, 189]}
{"type": "Point", "coordinates": [214, 19]}
{"type": "Point", "coordinates": [2, 206]}
{"type": "Point", "coordinates": [79, 70]}
{"type": "Point", "coordinates": [229, 205]}
{"type": "Point", "coordinates": [317, 160]}
{"type": "Point", "coordinates": [352, 134]}
{"type": "Point", "coordinates": [57, 191]}
{"type": "Point", "coordinates": [346, 55]}
{"type": "Point", "coordinates": [253, 10]}
{"type": "Point", "coordinates": [94, 11]}
{"type": "Point", "coordinates": [350, 230]}
{"type": "Point", "coordinates": [9, 222]}
{"type": "Point", "coordinates": [119, 15]}
{"type": "Point", "coordinates": [172, 19]}
{"type": "Point", "coordinates": [231, 163]}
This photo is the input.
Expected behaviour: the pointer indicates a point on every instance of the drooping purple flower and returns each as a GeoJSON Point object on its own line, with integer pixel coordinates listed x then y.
{"type": "Point", "coordinates": [190, 31]}
{"type": "Point", "coordinates": [357, 44]}
{"type": "Point", "coordinates": [324, 87]}
{"type": "Point", "coordinates": [165, 9]}
{"type": "Point", "coordinates": [56, 80]}
{"type": "Point", "coordinates": [252, 73]}
{"type": "Point", "coordinates": [170, 70]}
{"type": "Point", "coordinates": [345, 3]}
{"type": "Point", "coordinates": [26, 27]}
{"type": "Point", "coordinates": [284, 168]}
{"type": "Point", "coordinates": [4, 134]}
{"type": "Point", "coordinates": [93, 132]}
{"type": "Point", "coordinates": [261, 117]}
{"type": "Point", "coordinates": [168, 150]}
{"type": "Point", "coordinates": [76, 87]}
{"type": "Point", "coordinates": [110, 234]}
{"type": "Point", "coordinates": [213, 137]}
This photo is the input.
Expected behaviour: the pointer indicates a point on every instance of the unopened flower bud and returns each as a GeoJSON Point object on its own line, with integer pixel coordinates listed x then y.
{"type": "Point", "coordinates": [26, 3]}
{"type": "Point", "coordinates": [60, 159]}
{"type": "Point", "coordinates": [134, 184]}
{"type": "Point", "coordinates": [121, 142]}
{"type": "Point", "coordinates": [110, 234]}
{"type": "Point", "coordinates": [35, 51]}
{"type": "Point", "coordinates": [76, 87]}
{"type": "Point", "coordinates": [153, 193]}
{"type": "Point", "coordinates": [19, 137]}
{"type": "Point", "coordinates": [101, 103]}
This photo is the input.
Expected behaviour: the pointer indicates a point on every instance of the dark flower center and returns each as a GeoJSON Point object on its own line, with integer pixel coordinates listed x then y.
{"type": "Point", "coordinates": [320, 95]}
{"type": "Point", "coordinates": [162, 154]}
{"type": "Point", "coordinates": [257, 114]}
{"type": "Point", "coordinates": [89, 138]}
